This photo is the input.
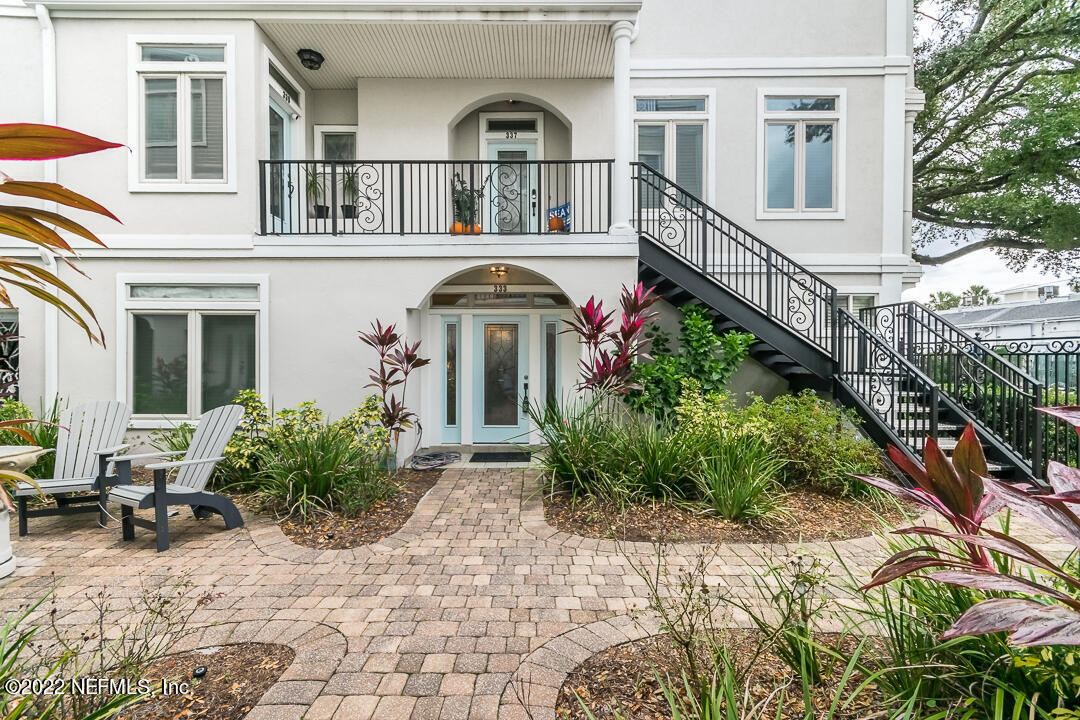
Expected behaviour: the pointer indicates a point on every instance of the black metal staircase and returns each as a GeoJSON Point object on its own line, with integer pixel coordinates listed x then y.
{"type": "Point", "coordinates": [905, 370]}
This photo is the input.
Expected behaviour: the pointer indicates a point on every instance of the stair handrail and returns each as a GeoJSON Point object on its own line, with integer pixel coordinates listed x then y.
{"type": "Point", "coordinates": [1011, 374]}
{"type": "Point", "coordinates": [803, 301]}
{"type": "Point", "coordinates": [1014, 394]}
{"type": "Point", "coordinates": [845, 373]}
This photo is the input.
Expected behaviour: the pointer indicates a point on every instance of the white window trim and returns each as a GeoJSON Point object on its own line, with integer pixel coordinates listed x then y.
{"type": "Point", "coordinates": [498, 137]}
{"type": "Point", "coordinates": [840, 143]}
{"type": "Point", "coordinates": [137, 68]}
{"type": "Point", "coordinates": [321, 130]}
{"type": "Point", "coordinates": [126, 304]}
{"type": "Point", "coordinates": [708, 117]}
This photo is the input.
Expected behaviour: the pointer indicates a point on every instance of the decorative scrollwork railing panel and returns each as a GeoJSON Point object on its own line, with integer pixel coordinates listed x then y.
{"type": "Point", "coordinates": [372, 197]}
{"type": "Point", "coordinates": [998, 395]}
{"type": "Point", "coordinates": [776, 285]}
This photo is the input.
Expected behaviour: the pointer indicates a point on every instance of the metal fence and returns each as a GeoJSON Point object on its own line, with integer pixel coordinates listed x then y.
{"type": "Point", "coordinates": [339, 197]}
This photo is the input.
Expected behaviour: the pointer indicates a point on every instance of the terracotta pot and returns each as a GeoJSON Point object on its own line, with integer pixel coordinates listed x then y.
{"type": "Point", "coordinates": [556, 224]}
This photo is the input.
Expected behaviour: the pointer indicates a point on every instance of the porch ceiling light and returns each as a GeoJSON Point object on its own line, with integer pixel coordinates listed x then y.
{"type": "Point", "coordinates": [311, 59]}
{"type": "Point", "coordinates": [498, 270]}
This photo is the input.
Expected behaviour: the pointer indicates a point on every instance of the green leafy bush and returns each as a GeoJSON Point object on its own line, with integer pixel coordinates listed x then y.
{"type": "Point", "coordinates": [173, 439]}
{"type": "Point", "coordinates": [738, 478]}
{"type": "Point", "coordinates": [261, 430]}
{"type": "Point", "coordinates": [703, 355]}
{"type": "Point", "coordinates": [819, 441]}
{"type": "Point", "coordinates": [44, 433]}
{"type": "Point", "coordinates": [316, 468]}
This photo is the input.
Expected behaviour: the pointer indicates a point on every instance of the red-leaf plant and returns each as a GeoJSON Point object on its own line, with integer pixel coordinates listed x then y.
{"type": "Point", "coordinates": [964, 494]}
{"type": "Point", "coordinates": [610, 354]}
{"type": "Point", "coordinates": [397, 360]}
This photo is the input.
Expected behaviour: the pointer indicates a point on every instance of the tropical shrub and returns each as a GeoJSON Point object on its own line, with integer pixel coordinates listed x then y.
{"type": "Point", "coordinates": [608, 365]}
{"type": "Point", "coordinates": [12, 409]}
{"type": "Point", "coordinates": [20, 426]}
{"type": "Point", "coordinates": [397, 361]}
{"type": "Point", "coordinates": [176, 438]}
{"type": "Point", "coordinates": [739, 477]}
{"type": "Point", "coordinates": [703, 355]}
{"type": "Point", "coordinates": [319, 468]}
{"type": "Point", "coordinates": [29, 141]}
{"type": "Point", "coordinates": [819, 441]}
{"type": "Point", "coordinates": [261, 430]}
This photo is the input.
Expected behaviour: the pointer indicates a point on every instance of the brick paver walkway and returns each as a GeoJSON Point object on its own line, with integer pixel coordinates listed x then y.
{"type": "Point", "coordinates": [475, 602]}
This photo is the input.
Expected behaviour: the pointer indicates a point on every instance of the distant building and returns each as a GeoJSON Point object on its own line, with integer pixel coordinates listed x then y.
{"type": "Point", "coordinates": [1045, 316]}
{"type": "Point", "coordinates": [1026, 293]}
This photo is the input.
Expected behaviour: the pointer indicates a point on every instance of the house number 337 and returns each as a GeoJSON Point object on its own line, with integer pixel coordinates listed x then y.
{"type": "Point", "coordinates": [511, 134]}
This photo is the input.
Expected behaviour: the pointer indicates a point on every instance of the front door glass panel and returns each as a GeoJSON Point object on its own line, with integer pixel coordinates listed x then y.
{"type": "Point", "coordinates": [501, 375]}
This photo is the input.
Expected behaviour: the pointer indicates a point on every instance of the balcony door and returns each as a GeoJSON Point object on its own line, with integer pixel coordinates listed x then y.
{"type": "Point", "coordinates": [509, 142]}
{"type": "Point", "coordinates": [281, 189]}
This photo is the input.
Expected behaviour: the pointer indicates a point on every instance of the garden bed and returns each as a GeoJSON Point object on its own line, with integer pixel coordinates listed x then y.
{"type": "Point", "coordinates": [236, 677]}
{"type": "Point", "coordinates": [810, 516]}
{"type": "Point", "coordinates": [620, 682]}
{"type": "Point", "coordinates": [383, 519]}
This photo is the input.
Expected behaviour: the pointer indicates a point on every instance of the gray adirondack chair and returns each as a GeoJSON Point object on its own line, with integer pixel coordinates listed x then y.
{"type": "Point", "coordinates": [189, 487]}
{"type": "Point", "coordinates": [88, 435]}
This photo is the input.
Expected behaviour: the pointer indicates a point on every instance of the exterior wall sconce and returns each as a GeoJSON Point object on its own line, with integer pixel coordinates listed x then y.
{"type": "Point", "coordinates": [498, 271]}
{"type": "Point", "coordinates": [311, 59]}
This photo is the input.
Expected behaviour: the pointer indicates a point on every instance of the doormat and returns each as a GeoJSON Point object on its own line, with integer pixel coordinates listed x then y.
{"type": "Point", "coordinates": [494, 457]}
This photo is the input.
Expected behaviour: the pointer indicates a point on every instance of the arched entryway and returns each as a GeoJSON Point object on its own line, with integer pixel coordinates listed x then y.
{"type": "Point", "coordinates": [496, 341]}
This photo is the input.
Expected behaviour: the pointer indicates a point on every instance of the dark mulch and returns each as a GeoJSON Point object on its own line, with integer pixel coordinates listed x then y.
{"type": "Point", "coordinates": [384, 518]}
{"type": "Point", "coordinates": [237, 676]}
{"type": "Point", "coordinates": [620, 681]}
{"type": "Point", "coordinates": [810, 516]}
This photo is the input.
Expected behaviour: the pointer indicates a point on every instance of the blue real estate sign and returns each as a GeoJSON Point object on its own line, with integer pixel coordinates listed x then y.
{"type": "Point", "coordinates": [562, 211]}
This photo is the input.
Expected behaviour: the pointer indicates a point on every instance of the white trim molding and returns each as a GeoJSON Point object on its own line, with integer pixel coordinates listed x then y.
{"type": "Point", "coordinates": [770, 67]}
{"type": "Point", "coordinates": [839, 116]}
{"type": "Point", "coordinates": [137, 68]}
{"type": "Point", "coordinates": [125, 305]}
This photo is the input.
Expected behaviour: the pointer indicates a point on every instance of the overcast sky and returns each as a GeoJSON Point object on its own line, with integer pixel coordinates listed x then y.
{"type": "Point", "coordinates": [982, 267]}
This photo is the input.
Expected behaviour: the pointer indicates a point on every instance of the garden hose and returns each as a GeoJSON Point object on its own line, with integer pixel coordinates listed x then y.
{"type": "Point", "coordinates": [431, 461]}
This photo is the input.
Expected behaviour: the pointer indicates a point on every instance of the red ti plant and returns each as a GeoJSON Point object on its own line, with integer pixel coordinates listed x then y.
{"type": "Point", "coordinates": [1052, 620]}
{"type": "Point", "coordinates": [397, 360]}
{"type": "Point", "coordinates": [610, 353]}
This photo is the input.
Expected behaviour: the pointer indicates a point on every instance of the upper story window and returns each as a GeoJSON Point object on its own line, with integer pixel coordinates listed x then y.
{"type": "Point", "coordinates": [671, 140]}
{"type": "Point", "coordinates": [801, 146]}
{"type": "Point", "coordinates": [182, 115]}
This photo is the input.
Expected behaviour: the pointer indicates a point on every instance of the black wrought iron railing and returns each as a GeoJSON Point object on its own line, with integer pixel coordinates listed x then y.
{"type": "Point", "coordinates": [306, 197]}
{"type": "Point", "coordinates": [774, 284]}
{"type": "Point", "coordinates": [886, 383]}
{"type": "Point", "coordinates": [1055, 363]}
{"type": "Point", "coordinates": [999, 396]}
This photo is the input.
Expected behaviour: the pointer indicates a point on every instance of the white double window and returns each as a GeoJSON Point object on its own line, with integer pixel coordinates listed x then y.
{"type": "Point", "coordinates": [670, 136]}
{"type": "Point", "coordinates": [800, 147]}
{"type": "Point", "coordinates": [191, 346]}
{"type": "Point", "coordinates": [181, 115]}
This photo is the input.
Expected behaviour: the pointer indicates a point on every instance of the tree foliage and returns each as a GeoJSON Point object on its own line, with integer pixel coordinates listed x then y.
{"type": "Point", "coordinates": [39, 227]}
{"type": "Point", "coordinates": [997, 148]}
{"type": "Point", "coordinates": [974, 296]}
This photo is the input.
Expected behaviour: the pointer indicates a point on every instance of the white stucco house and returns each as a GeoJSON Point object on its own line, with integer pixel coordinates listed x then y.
{"type": "Point", "coordinates": [293, 170]}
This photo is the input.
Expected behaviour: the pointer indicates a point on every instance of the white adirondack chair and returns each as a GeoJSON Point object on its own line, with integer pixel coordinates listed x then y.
{"type": "Point", "coordinates": [189, 487]}
{"type": "Point", "coordinates": [88, 436]}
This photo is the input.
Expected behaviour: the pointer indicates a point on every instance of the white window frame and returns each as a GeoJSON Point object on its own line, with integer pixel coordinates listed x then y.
{"type": "Point", "coordinates": [127, 306]}
{"type": "Point", "coordinates": [184, 73]}
{"type": "Point", "coordinates": [838, 116]}
{"type": "Point", "coordinates": [321, 130]}
{"type": "Point", "coordinates": [663, 117]}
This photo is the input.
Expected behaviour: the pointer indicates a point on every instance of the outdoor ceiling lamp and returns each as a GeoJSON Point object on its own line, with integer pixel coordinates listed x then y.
{"type": "Point", "coordinates": [311, 59]}
{"type": "Point", "coordinates": [498, 270]}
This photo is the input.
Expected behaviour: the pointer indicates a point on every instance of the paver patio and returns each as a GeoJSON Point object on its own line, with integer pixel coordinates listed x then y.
{"type": "Point", "coordinates": [476, 601]}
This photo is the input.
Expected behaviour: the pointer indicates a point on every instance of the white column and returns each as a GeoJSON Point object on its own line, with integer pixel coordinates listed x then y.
{"type": "Point", "coordinates": [622, 189]}
{"type": "Point", "coordinates": [913, 105]}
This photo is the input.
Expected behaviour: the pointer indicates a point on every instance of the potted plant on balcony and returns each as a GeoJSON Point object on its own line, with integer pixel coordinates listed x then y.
{"type": "Point", "coordinates": [466, 200]}
{"type": "Point", "coordinates": [316, 191]}
{"type": "Point", "coordinates": [350, 191]}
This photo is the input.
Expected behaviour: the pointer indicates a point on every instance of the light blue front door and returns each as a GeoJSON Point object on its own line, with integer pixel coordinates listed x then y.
{"type": "Point", "coordinates": [501, 367]}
